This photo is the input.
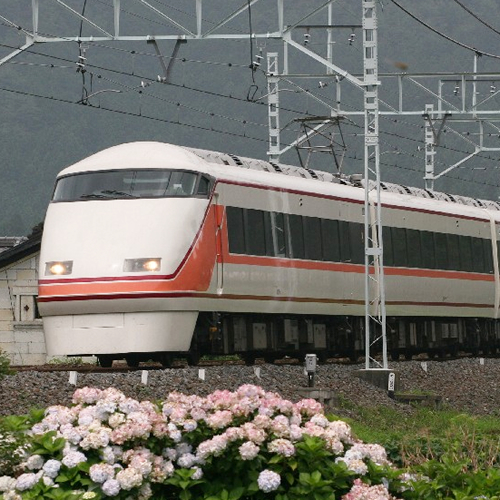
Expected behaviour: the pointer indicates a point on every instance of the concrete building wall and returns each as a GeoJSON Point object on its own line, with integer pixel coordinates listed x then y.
{"type": "Point", "coordinates": [21, 330]}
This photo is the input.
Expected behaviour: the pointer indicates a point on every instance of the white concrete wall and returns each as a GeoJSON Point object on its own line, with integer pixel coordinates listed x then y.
{"type": "Point", "coordinates": [21, 332]}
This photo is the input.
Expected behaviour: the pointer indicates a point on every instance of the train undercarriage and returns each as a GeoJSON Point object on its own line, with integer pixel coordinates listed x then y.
{"type": "Point", "coordinates": [273, 337]}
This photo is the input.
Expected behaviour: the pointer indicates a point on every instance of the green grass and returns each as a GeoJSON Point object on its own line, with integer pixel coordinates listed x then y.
{"type": "Point", "coordinates": [413, 437]}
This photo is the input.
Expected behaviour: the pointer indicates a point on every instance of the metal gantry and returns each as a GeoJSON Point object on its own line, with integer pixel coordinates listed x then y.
{"type": "Point", "coordinates": [375, 313]}
{"type": "Point", "coordinates": [463, 105]}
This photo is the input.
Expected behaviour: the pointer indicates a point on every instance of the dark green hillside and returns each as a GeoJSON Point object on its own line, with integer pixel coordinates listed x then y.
{"type": "Point", "coordinates": [43, 129]}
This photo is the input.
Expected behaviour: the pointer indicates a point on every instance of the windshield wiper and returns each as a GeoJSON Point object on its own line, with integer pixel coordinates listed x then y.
{"type": "Point", "coordinates": [114, 192]}
{"type": "Point", "coordinates": [107, 194]}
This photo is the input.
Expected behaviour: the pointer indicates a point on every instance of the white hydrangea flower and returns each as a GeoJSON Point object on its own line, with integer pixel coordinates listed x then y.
{"type": "Point", "coordinates": [7, 483]}
{"type": "Point", "coordinates": [268, 481]}
{"type": "Point", "coordinates": [111, 487]}
{"type": "Point", "coordinates": [73, 458]}
{"type": "Point", "coordinates": [129, 478]}
{"type": "Point", "coordinates": [26, 481]}
{"type": "Point", "coordinates": [35, 462]}
{"type": "Point", "coordinates": [51, 468]}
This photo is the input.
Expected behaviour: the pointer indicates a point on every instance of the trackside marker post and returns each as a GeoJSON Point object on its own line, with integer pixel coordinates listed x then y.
{"type": "Point", "coordinates": [144, 377]}
{"type": "Point", "coordinates": [72, 377]}
{"type": "Point", "coordinates": [201, 373]}
{"type": "Point", "coordinates": [311, 368]}
{"type": "Point", "coordinates": [391, 382]}
{"type": "Point", "coordinates": [256, 371]}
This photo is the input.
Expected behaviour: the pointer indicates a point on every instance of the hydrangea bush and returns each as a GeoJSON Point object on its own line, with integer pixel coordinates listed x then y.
{"type": "Point", "coordinates": [229, 445]}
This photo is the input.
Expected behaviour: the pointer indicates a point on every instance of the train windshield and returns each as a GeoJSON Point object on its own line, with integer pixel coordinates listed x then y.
{"type": "Point", "coordinates": [124, 184]}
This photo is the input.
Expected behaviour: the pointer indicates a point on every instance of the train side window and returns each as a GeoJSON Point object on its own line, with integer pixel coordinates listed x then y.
{"type": "Point", "coordinates": [296, 236]}
{"type": "Point", "coordinates": [254, 232]}
{"type": "Point", "coordinates": [488, 257]}
{"type": "Point", "coordinates": [312, 238]}
{"type": "Point", "coordinates": [331, 240]}
{"type": "Point", "coordinates": [203, 186]}
{"type": "Point", "coordinates": [356, 239]}
{"type": "Point", "coordinates": [414, 250]}
{"type": "Point", "coordinates": [465, 245]}
{"type": "Point", "coordinates": [440, 245]}
{"type": "Point", "coordinates": [498, 250]}
{"type": "Point", "coordinates": [278, 232]}
{"type": "Point", "coordinates": [477, 250]}
{"type": "Point", "coordinates": [387, 241]}
{"type": "Point", "coordinates": [453, 251]}
{"type": "Point", "coordinates": [268, 234]}
{"type": "Point", "coordinates": [235, 230]}
{"type": "Point", "coordinates": [345, 244]}
{"type": "Point", "coordinates": [428, 250]}
{"type": "Point", "coordinates": [399, 246]}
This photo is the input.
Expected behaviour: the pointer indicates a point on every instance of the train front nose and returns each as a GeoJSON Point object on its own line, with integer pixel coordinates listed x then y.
{"type": "Point", "coordinates": [109, 280]}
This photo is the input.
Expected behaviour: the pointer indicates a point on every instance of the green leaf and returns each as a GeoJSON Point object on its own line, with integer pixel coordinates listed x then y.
{"type": "Point", "coordinates": [236, 493]}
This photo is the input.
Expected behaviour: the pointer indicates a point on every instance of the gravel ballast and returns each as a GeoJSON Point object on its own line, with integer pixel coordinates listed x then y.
{"type": "Point", "coordinates": [469, 385]}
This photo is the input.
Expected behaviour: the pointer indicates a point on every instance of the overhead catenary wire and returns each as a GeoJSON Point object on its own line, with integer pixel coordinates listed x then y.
{"type": "Point", "coordinates": [190, 88]}
{"type": "Point", "coordinates": [450, 39]}
{"type": "Point", "coordinates": [473, 14]}
{"type": "Point", "coordinates": [130, 113]}
{"type": "Point", "coordinates": [217, 94]}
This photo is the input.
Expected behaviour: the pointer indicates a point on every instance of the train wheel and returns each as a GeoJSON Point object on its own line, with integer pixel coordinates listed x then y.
{"type": "Point", "coordinates": [105, 360]}
{"type": "Point", "coordinates": [249, 359]}
{"type": "Point", "coordinates": [132, 361]}
{"type": "Point", "coordinates": [193, 358]}
{"type": "Point", "coordinates": [167, 360]}
{"type": "Point", "coordinates": [269, 358]}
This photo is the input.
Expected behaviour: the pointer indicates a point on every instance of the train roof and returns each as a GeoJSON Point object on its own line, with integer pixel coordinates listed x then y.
{"type": "Point", "coordinates": [354, 180]}
{"type": "Point", "coordinates": [127, 155]}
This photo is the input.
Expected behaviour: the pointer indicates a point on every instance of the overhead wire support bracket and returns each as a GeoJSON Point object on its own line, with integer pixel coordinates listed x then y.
{"type": "Point", "coordinates": [167, 70]}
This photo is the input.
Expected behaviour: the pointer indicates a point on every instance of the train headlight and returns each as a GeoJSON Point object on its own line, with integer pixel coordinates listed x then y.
{"type": "Point", "coordinates": [140, 265]}
{"type": "Point", "coordinates": [58, 268]}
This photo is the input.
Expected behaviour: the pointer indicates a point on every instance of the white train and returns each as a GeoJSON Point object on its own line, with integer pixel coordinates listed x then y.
{"type": "Point", "coordinates": [151, 250]}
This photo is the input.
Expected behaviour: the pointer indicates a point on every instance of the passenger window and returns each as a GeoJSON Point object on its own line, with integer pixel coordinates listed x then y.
{"type": "Point", "coordinates": [356, 239]}
{"type": "Point", "coordinates": [465, 253]}
{"type": "Point", "coordinates": [428, 250]}
{"type": "Point", "coordinates": [414, 250]}
{"type": "Point", "coordinates": [254, 232]}
{"type": "Point", "coordinates": [345, 244]}
{"type": "Point", "coordinates": [387, 240]}
{"type": "Point", "coordinates": [399, 246]}
{"type": "Point", "coordinates": [440, 243]}
{"type": "Point", "coordinates": [235, 229]}
{"type": "Point", "coordinates": [453, 252]}
{"type": "Point", "coordinates": [331, 240]}
{"type": "Point", "coordinates": [312, 238]}
{"type": "Point", "coordinates": [477, 251]}
{"type": "Point", "coordinates": [488, 257]}
{"type": "Point", "coordinates": [296, 236]}
{"type": "Point", "coordinates": [278, 231]}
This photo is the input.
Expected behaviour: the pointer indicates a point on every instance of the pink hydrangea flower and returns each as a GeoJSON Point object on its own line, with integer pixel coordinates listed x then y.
{"type": "Point", "coordinates": [362, 491]}
{"type": "Point", "coordinates": [282, 447]}
{"type": "Point", "coordinates": [248, 450]}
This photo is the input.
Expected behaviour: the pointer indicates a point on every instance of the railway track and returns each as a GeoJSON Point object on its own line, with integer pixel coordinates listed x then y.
{"type": "Point", "coordinates": [122, 367]}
